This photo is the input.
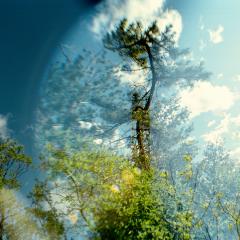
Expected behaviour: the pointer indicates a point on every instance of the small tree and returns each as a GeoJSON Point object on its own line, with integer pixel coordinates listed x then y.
{"type": "Point", "coordinates": [45, 212]}
{"type": "Point", "coordinates": [133, 42]}
{"type": "Point", "coordinates": [13, 163]}
{"type": "Point", "coordinates": [155, 52]}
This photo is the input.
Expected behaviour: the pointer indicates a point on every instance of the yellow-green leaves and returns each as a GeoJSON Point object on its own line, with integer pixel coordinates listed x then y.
{"type": "Point", "coordinates": [187, 158]}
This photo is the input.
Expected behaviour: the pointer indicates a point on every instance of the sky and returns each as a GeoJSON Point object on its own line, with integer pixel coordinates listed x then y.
{"type": "Point", "coordinates": [210, 30]}
{"type": "Point", "coordinates": [33, 31]}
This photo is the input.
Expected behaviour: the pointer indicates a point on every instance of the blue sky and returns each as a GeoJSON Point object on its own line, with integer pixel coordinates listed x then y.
{"type": "Point", "coordinates": [211, 31]}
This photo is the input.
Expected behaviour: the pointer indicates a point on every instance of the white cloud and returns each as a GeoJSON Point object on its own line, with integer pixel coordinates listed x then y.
{"type": "Point", "coordinates": [85, 124]}
{"type": "Point", "coordinates": [226, 127]}
{"type": "Point", "coordinates": [217, 134]}
{"type": "Point", "coordinates": [220, 75]}
{"type": "Point", "coordinates": [57, 126]}
{"type": "Point", "coordinates": [205, 97]}
{"type": "Point", "coordinates": [202, 45]}
{"type": "Point", "coordinates": [117, 140]}
{"type": "Point", "coordinates": [216, 35]}
{"type": "Point", "coordinates": [98, 141]}
{"type": "Point", "coordinates": [146, 11]}
{"type": "Point", "coordinates": [237, 78]}
{"type": "Point", "coordinates": [211, 123]}
{"type": "Point", "coordinates": [201, 23]}
{"type": "Point", "coordinates": [134, 78]}
{"type": "Point", "coordinates": [3, 126]}
{"type": "Point", "coordinates": [236, 120]}
{"type": "Point", "coordinates": [235, 153]}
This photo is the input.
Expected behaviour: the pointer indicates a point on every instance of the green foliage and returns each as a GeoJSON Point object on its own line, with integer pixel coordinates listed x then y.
{"type": "Point", "coordinates": [135, 212]}
{"type": "Point", "coordinates": [75, 186]}
{"type": "Point", "coordinates": [13, 163]}
{"type": "Point", "coordinates": [48, 218]}
{"type": "Point", "coordinates": [131, 40]}
{"type": "Point", "coordinates": [108, 196]}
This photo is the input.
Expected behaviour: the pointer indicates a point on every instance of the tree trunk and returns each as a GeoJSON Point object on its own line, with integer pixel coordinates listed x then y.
{"type": "Point", "coordinates": [2, 219]}
{"type": "Point", "coordinates": [1, 227]}
{"type": "Point", "coordinates": [141, 113]}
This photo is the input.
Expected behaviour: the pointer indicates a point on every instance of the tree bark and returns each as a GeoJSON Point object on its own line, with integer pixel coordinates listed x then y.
{"type": "Point", "coordinates": [1, 224]}
{"type": "Point", "coordinates": [143, 119]}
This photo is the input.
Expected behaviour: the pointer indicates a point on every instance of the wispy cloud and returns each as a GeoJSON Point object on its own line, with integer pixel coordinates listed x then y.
{"type": "Point", "coordinates": [226, 127]}
{"type": "Point", "coordinates": [235, 153]}
{"type": "Point", "coordinates": [236, 78]}
{"type": "Point", "coordinates": [202, 45]}
{"type": "Point", "coordinates": [205, 97]}
{"type": "Point", "coordinates": [3, 126]}
{"type": "Point", "coordinates": [85, 125]}
{"type": "Point", "coordinates": [146, 11]}
{"type": "Point", "coordinates": [134, 78]}
{"type": "Point", "coordinates": [211, 123]}
{"type": "Point", "coordinates": [216, 35]}
{"type": "Point", "coordinates": [217, 134]}
{"type": "Point", "coordinates": [98, 141]}
{"type": "Point", "coordinates": [220, 75]}
{"type": "Point", "coordinates": [201, 23]}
